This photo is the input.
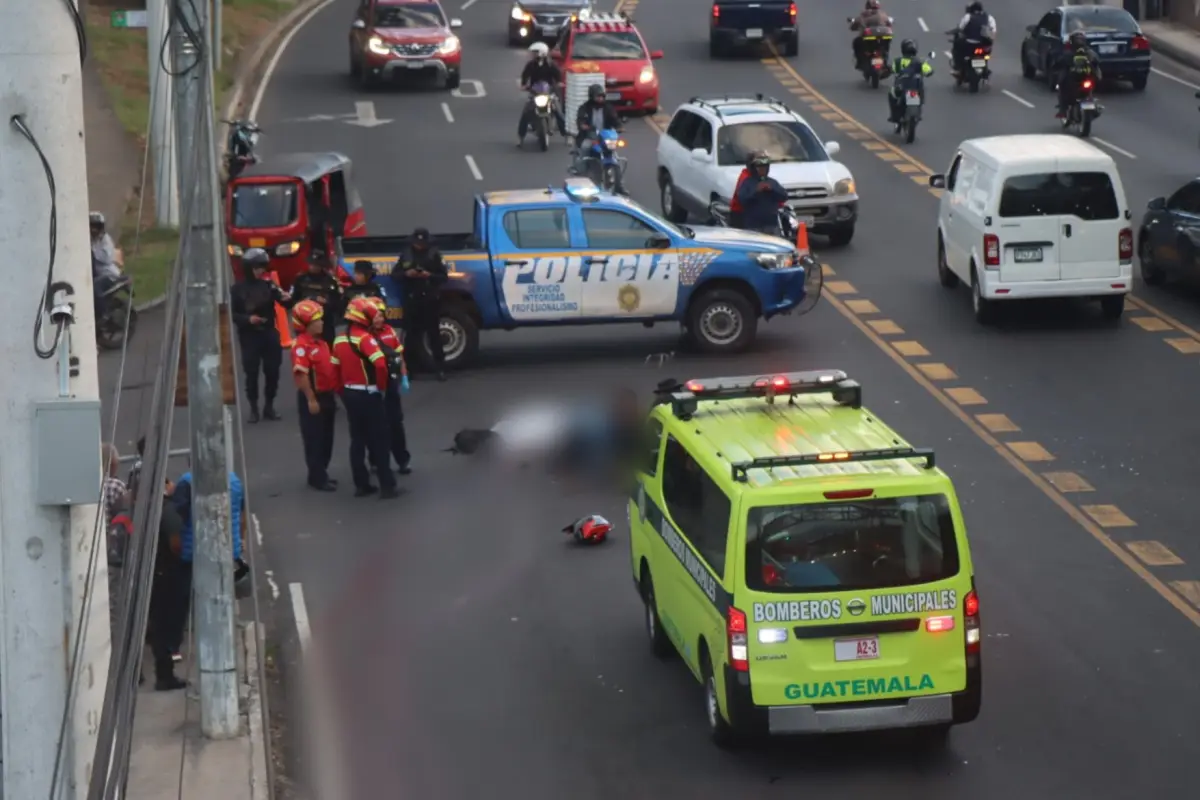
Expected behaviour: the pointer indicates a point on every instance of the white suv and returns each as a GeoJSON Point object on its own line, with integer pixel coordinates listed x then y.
{"type": "Point", "coordinates": [707, 144]}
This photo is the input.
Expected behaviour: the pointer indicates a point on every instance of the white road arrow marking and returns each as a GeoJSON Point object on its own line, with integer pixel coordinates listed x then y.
{"type": "Point", "coordinates": [364, 116]}
{"type": "Point", "coordinates": [317, 118]}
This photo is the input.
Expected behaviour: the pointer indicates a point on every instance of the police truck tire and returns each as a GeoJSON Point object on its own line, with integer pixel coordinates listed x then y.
{"type": "Point", "coordinates": [660, 645]}
{"type": "Point", "coordinates": [722, 321]}
{"type": "Point", "coordinates": [459, 327]}
{"type": "Point", "coordinates": [719, 730]}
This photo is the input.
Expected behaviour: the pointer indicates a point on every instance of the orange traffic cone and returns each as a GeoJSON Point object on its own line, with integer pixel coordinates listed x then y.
{"type": "Point", "coordinates": [282, 323]}
{"type": "Point", "coordinates": [802, 240]}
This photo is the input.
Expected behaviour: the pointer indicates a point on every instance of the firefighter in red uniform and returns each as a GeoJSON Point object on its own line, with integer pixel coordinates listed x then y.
{"type": "Point", "coordinates": [394, 349]}
{"type": "Point", "coordinates": [317, 382]}
{"type": "Point", "coordinates": [363, 369]}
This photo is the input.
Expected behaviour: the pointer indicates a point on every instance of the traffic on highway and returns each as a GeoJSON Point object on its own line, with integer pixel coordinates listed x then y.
{"type": "Point", "coordinates": [945, 427]}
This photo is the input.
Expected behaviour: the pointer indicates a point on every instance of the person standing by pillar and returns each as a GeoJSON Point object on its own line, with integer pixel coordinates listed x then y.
{"type": "Point", "coordinates": [363, 374]}
{"type": "Point", "coordinates": [316, 378]}
{"type": "Point", "coordinates": [252, 304]}
{"type": "Point", "coordinates": [421, 273]}
{"type": "Point", "coordinates": [319, 285]}
{"type": "Point", "coordinates": [393, 351]}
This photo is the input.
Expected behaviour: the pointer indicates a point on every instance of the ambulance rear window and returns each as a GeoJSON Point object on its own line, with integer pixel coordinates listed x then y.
{"type": "Point", "coordinates": [853, 545]}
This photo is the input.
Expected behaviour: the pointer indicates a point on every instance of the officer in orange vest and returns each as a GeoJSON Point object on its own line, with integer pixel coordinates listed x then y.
{"type": "Point", "coordinates": [317, 382]}
{"type": "Point", "coordinates": [390, 341]}
{"type": "Point", "coordinates": [363, 370]}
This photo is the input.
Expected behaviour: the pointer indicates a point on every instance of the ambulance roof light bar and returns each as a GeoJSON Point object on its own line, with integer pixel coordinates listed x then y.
{"type": "Point", "coordinates": [845, 391]}
{"type": "Point", "coordinates": [741, 468]}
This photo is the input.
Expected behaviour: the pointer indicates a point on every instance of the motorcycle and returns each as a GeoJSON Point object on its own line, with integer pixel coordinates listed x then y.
{"type": "Point", "coordinates": [239, 146]}
{"type": "Point", "coordinates": [789, 227]}
{"type": "Point", "coordinates": [602, 163]}
{"type": "Point", "coordinates": [1083, 110]}
{"type": "Point", "coordinates": [912, 95]}
{"type": "Point", "coordinates": [873, 53]}
{"type": "Point", "coordinates": [975, 69]}
{"type": "Point", "coordinates": [544, 103]}
{"type": "Point", "coordinates": [787, 220]}
{"type": "Point", "coordinates": [116, 318]}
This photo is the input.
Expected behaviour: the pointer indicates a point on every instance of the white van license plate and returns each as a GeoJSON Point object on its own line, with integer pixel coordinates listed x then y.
{"type": "Point", "coordinates": [754, 33]}
{"type": "Point", "coordinates": [856, 649]}
{"type": "Point", "coordinates": [1026, 255]}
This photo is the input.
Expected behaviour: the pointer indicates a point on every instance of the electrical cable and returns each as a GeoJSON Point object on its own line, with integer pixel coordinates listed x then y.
{"type": "Point", "coordinates": [194, 38]}
{"type": "Point", "coordinates": [80, 29]}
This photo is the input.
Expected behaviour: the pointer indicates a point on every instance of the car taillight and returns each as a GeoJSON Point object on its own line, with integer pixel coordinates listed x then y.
{"type": "Point", "coordinates": [1139, 43]}
{"type": "Point", "coordinates": [1125, 245]}
{"type": "Point", "coordinates": [991, 250]}
{"type": "Point", "coordinates": [735, 629]}
{"type": "Point", "coordinates": [716, 12]}
{"type": "Point", "coordinates": [971, 621]}
{"type": "Point", "coordinates": [792, 11]}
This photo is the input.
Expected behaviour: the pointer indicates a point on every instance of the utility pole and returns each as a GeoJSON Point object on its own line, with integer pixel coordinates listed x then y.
{"type": "Point", "coordinates": [162, 137]}
{"type": "Point", "coordinates": [212, 562]}
{"type": "Point", "coordinates": [50, 418]}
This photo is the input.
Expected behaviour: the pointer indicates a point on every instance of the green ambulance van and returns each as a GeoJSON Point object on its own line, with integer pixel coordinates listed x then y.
{"type": "Point", "coordinates": [810, 567]}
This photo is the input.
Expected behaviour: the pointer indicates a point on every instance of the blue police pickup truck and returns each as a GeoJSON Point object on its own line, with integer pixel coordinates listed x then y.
{"type": "Point", "coordinates": [579, 256]}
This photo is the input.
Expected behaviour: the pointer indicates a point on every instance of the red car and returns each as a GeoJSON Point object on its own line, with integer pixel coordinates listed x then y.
{"type": "Point", "coordinates": [610, 44]}
{"type": "Point", "coordinates": [407, 37]}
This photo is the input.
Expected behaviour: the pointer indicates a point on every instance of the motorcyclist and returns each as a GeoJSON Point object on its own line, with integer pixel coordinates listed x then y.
{"type": "Point", "coordinates": [760, 197]}
{"type": "Point", "coordinates": [107, 259]}
{"type": "Point", "coordinates": [905, 68]}
{"type": "Point", "coordinates": [735, 204]}
{"type": "Point", "coordinates": [1081, 63]}
{"type": "Point", "coordinates": [872, 16]}
{"type": "Point", "coordinates": [976, 26]}
{"type": "Point", "coordinates": [593, 116]}
{"type": "Point", "coordinates": [540, 69]}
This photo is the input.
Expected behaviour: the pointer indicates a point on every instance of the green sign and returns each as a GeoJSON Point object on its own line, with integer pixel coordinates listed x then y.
{"type": "Point", "coordinates": [129, 19]}
{"type": "Point", "coordinates": [868, 687]}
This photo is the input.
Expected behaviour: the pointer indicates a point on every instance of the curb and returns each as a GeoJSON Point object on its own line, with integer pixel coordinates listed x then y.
{"type": "Point", "coordinates": [1173, 52]}
{"type": "Point", "coordinates": [260, 788]}
{"type": "Point", "coordinates": [246, 77]}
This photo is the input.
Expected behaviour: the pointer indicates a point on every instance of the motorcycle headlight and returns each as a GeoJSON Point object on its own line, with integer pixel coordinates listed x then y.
{"type": "Point", "coordinates": [647, 74]}
{"type": "Point", "coordinates": [287, 248]}
{"type": "Point", "coordinates": [378, 46]}
{"type": "Point", "coordinates": [844, 187]}
{"type": "Point", "coordinates": [449, 45]}
{"type": "Point", "coordinates": [775, 260]}
{"type": "Point", "coordinates": [541, 101]}
{"type": "Point", "coordinates": [520, 14]}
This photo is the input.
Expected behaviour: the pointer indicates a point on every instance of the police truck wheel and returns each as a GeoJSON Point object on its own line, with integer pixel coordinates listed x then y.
{"type": "Point", "coordinates": [460, 335]}
{"type": "Point", "coordinates": [722, 321]}
{"type": "Point", "coordinates": [720, 731]}
{"type": "Point", "coordinates": [660, 645]}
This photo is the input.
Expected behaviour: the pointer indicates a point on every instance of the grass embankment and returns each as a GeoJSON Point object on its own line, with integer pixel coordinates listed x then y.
{"type": "Point", "coordinates": [122, 58]}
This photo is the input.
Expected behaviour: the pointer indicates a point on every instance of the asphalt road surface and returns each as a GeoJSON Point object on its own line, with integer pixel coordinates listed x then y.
{"type": "Point", "coordinates": [474, 654]}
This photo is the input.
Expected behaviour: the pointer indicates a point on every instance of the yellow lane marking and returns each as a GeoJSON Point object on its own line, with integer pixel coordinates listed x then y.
{"type": "Point", "coordinates": [906, 168]}
{"type": "Point", "coordinates": [1189, 589]}
{"type": "Point", "coordinates": [966, 396]}
{"type": "Point", "coordinates": [1165, 317]}
{"type": "Point", "coordinates": [936, 193]}
{"type": "Point", "coordinates": [1185, 345]}
{"type": "Point", "coordinates": [1150, 323]}
{"type": "Point", "coordinates": [862, 306]}
{"type": "Point", "coordinates": [859, 135]}
{"type": "Point", "coordinates": [1067, 482]}
{"type": "Point", "coordinates": [874, 146]}
{"type": "Point", "coordinates": [997, 423]}
{"type": "Point", "coordinates": [841, 287]}
{"type": "Point", "coordinates": [937, 372]}
{"type": "Point", "coordinates": [844, 126]}
{"type": "Point", "coordinates": [1041, 484]}
{"type": "Point", "coordinates": [831, 115]}
{"type": "Point", "coordinates": [828, 270]}
{"type": "Point", "coordinates": [910, 349]}
{"type": "Point", "coordinates": [1154, 554]}
{"type": "Point", "coordinates": [888, 156]}
{"type": "Point", "coordinates": [1030, 451]}
{"type": "Point", "coordinates": [1109, 517]}
{"type": "Point", "coordinates": [920, 180]}
{"type": "Point", "coordinates": [885, 327]}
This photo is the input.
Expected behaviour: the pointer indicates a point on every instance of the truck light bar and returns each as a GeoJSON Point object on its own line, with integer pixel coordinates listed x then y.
{"type": "Point", "coordinates": [888, 454]}
{"type": "Point", "coordinates": [845, 391]}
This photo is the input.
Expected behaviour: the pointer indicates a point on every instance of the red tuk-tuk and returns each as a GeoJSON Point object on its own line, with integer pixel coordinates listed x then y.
{"type": "Point", "coordinates": [293, 206]}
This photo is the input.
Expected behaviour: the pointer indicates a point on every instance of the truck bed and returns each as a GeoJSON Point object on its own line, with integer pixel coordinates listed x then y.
{"type": "Point", "coordinates": [360, 246]}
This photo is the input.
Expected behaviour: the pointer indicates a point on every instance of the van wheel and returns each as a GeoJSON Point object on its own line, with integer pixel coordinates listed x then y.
{"type": "Point", "coordinates": [660, 645]}
{"type": "Point", "coordinates": [985, 310]}
{"type": "Point", "coordinates": [720, 731]}
{"type": "Point", "coordinates": [722, 321]}
{"type": "Point", "coordinates": [1152, 274]}
{"type": "Point", "coordinates": [1112, 306]}
{"type": "Point", "coordinates": [460, 335]}
{"type": "Point", "coordinates": [945, 276]}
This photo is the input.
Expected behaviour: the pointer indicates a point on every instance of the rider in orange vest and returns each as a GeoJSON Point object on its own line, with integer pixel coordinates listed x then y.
{"type": "Point", "coordinates": [735, 205]}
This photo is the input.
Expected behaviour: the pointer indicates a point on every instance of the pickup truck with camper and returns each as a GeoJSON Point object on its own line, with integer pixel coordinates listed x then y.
{"type": "Point", "coordinates": [746, 24]}
{"type": "Point", "coordinates": [579, 256]}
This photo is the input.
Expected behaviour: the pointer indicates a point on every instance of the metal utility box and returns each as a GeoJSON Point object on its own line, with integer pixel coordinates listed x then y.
{"type": "Point", "coordinates": [66, 452]}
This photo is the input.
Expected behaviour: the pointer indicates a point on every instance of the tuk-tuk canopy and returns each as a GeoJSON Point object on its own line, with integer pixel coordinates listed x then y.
{"type": "Point", "coordinates": [307, 167]}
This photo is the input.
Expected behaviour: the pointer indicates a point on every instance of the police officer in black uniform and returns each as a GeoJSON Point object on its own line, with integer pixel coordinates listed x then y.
{"type": "Point", "coordinates": [420, 272]}
{"type": "Point", "coordinates": [252, 304]}
{"type": "Point", "coordinates": [363, 285]}
{"type": "Point", "coordinates": [319, 285]}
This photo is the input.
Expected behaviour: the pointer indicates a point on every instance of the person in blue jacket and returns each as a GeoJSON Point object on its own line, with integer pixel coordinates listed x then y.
{"type": "Point", "coordinates": [760, 197]}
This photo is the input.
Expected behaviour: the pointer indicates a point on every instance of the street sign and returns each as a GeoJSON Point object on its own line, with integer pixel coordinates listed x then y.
{"type": "Point", "coordinates": [129, 19]}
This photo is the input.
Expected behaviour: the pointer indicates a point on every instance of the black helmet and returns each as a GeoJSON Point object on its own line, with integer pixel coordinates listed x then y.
{"type": "Point", "coordinates": [975, 8]}
{"type": "Point", "coordinates": [908, 48]}
{"type": "Point", "coordinates": [1078, 40]}
{"type": "Point", "coordinates": [595, 92]}
{"type": "Point", "coordinates": [256, 258]}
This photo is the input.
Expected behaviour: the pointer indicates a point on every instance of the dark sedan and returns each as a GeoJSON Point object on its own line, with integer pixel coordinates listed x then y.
{"type": "Point", "coordinates": [532, 21]}
{"type": "Point", "coordinates": [1169, 238]}
{"type": "Point", "coordinates": [1112, 32]}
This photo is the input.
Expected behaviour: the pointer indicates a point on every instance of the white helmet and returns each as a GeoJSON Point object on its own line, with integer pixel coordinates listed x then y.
{"type": "Point", "coordinates": [539, 50]}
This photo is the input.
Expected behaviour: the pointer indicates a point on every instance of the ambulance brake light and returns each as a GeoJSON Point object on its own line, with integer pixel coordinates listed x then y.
{"type": "Point", "coordinates": [849, 494]}
{"type": "Point", "coordinates": [971, 621]}
{"type": "Point", "coordinates": [735, 630]}
{"type": "Point", "coordinates": [939, 624]}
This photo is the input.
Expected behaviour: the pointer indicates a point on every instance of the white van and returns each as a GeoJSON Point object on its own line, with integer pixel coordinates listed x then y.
{"type": "Point", "coordinates": [1038, 215]}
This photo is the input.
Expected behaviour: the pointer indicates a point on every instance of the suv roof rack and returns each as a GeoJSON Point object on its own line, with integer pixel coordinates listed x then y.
{"type": "Point", "coordinates": [741, 468]}
{"type": "Point", "coordinates": [845, 391]}
{"type": "Point", "coordinates": [715, 103]}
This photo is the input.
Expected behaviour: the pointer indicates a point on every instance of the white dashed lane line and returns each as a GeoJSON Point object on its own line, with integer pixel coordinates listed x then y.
{"type": "Point", "coordinates": [921, 22]}
{"type": "Point", "coordinates": [471, 165]}
{"type": "Point", "coordinates": [1114, 148]}
{"type": "Point", "coordinates": [1020, 100]}
{"type": "Point", "coordinates": [446, 112]}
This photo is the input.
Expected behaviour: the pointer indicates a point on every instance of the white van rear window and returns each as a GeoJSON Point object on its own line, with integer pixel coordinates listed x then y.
{"type": "Point", "coordinates": [1087, 195]}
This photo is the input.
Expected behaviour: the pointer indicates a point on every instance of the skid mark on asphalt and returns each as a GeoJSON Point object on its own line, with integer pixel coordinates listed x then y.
{"type": "Point", "coordinates": [1144, 557]}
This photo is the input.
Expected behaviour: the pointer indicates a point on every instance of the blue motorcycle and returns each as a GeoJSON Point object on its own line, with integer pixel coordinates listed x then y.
{"type": "Point", "coordinates": [603, 163]}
